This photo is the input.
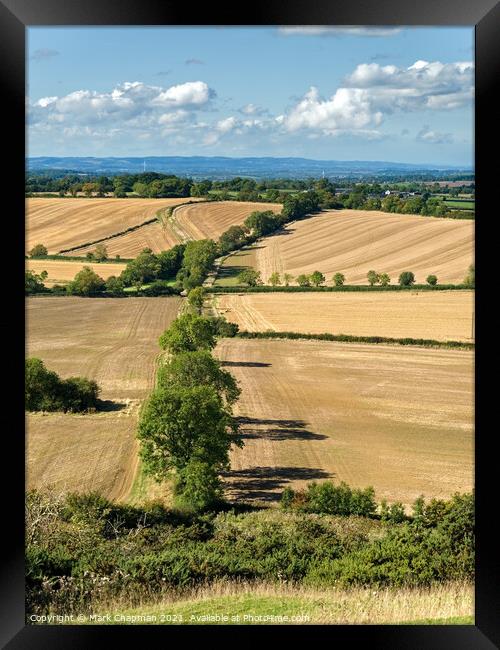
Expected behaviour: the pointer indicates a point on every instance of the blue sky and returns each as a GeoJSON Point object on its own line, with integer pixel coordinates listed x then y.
{"type": "Point", "coordinates": [395, 94]}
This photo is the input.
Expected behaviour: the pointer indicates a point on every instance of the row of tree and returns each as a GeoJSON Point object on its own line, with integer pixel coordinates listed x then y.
{"type": "Point", "coordinates": [187, 425]}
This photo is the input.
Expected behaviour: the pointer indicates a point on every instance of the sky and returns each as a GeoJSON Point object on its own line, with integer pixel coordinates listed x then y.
{"type": "Point", "coordinates": [327, 93]}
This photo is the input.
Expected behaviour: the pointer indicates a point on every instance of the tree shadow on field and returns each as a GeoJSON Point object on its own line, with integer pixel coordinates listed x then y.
{"type": "Point", "coordinates": [246, 364]}
{"type": "Point", "coordinates": [278, 430]}
{"type": "Point", "coordinates": [108, 406]}
{"type": "Point", "coordinates": [230, 272]}
{"type": "Point", "coordinates": [267, 483]}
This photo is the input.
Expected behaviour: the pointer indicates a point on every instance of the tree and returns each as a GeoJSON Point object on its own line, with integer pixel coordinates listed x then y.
{"type": "Point", "coordinates": [303, 280]}
{"type": "Point", "coordinates": [179, 425]}
{"type": "Point", "coordinates": [470, 278]}
{"type": "Point", "coordinates": [33, 283]}
{"type": "Point", "coordinates": [114, 286]}
{"type": "Point", "coordinates": [39, 250]}
{"type": "Point", "coordinates": [87, 283]}
{"type": "Point", "coordinates": [384, 279]}
{"type": "Point", "coordinates": [251, 277]}
{"type": "Point", "coordinates": [199, 368]}
{"type": "Point", "coordinates": [198, 485]}
{"type": "Point", "coordinates": [233, 237]}
{"type": "Point", "coordinates": [89, 255]}
{"type": "Point", "coordinates": [274, 279]}
{"type": "Point", "coordinates": [287, 278]}
{"type": "Point", "coordinates": [373, 277]}
{"type": "Point", "coordinates": [338, 279]}
{"type": "Point", "coordinates": [262, 223]}
{"type": "Point", "coordinates": [41, 386]}
{"type": "Point", "coordinates": [79, 394]}
{"type": "Point", "coordinates": [196, 298]}
{"type": "Point", "coordinates": [317, 278]}
{"type": "Point", "coordinates": [187, 333]}
{"type": "Point", "coordinates": [144, 268]}
{"type": "Point", "coordinates": [432, 280]}
{"type": "Point", "coordinates": [100, 253]}
{"type": "Point", "coordinates": [406, 279]}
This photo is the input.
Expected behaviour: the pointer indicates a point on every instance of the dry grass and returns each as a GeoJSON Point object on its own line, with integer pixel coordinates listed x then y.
{"type": "Point", "coordinates": [113, 341]}
{"type": "Point", "coordinates": [355, 241]}
{"type": "Point", "coordinates": [440, 315]}
{"type": "Point", "coordinates": [64, 223]}
{"type": "Point", "coordinates": [441, 603]}
{"type": "Point", "coordinates": [210, 220]}
{"type": "Point", "coordinates": [400, 419]}
{"type": "Point", "coordinates": [61, 272]}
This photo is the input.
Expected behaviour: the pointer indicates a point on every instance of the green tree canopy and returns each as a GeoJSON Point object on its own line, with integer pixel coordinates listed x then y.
{"type": "Point", "coordinates": [196, 298]}
{"type": "Point", "coordinates": [317, 278]}
{"type": "Point", "coordinates": [303, 280]}
{"type": "Point", "coordinates": [250, 276]}
{"type": "Point", "coordinates": [373, 277]}
{"type": "Point", "coordinates": [199, 368]}
{"type": "Point", "coordinates": [87, 283]}
{"type": "Point", "coordinates": [179, 425]}
{"type": "Point", "coordinates": [406, 279]}
{"type": "Point", "coordinates": [39, 250]}
{"type": "Point", "coordinates": [338, 279]}
{"type": "Point", "coordinates": [188, 333]}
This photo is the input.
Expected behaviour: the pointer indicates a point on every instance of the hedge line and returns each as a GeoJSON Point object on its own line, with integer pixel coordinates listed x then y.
{"type": "Point", "coordinates": [69, 258]}
{"type": "Point", "coordinates": [349, 338]}
{"type": "Point", "coordinates": [345, 287]}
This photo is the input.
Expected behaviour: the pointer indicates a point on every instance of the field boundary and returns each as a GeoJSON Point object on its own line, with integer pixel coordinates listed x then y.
{"type": "Point", "coordinates": [346, 287]}
{"type": "Point", "coordinates": [349, 338]}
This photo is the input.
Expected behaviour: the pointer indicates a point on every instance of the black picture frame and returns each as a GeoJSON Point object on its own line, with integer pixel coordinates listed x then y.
{"type": "Point", "coordinates": [15, 17]}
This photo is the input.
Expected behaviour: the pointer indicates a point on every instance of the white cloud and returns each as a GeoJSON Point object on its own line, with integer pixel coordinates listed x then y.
{"type": "Point", "coordinates": [252, 109]}
{"type": "Point", "coordinates": [429, 136]}
{"type": "Point", "coordinates": [323, 30]}
{"type": "Point", "coordinates": [373, 91]}
{"type": "Point", "coordinates": [194, 93]}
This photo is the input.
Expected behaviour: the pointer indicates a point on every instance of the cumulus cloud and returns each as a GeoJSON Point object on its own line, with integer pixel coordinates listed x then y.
{"type": "Point", "coordinates": [323, 30]}
{"type": "Point", "coordinates": [371, 92]}
{"type": "Point", "coordinates": [252, 109]}
{"type": "Point", "coordinates": [429, 136]}
{"type": "Point", "coordinates": [43, 53]}
{"type": "Point", "coordinates": [193, 93]}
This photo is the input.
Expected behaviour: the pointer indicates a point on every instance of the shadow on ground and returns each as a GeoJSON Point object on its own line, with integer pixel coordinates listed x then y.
{"type": "Point", "coordinates": [267, 483]}
{"type": "Point", "coordinates": [108, 406]}
{"type": "Point", "coordinates": [270, 429]}
{"type": "Point", "coordinates": [246, 364]}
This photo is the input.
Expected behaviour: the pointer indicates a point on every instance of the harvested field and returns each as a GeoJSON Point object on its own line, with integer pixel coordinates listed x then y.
{"type": "Point", "coordinates": [210, 220]}
{"type": "Point", "coordinates": [60, 224]}
{"type": "Point", "coordinates": [400, 419]}
{"type": "Point", "coordinates": [437, 315]}
{"type": "Point", "coordinates": [206, 220]}
{"type": "Point", "coordinates": [61, 272]}
{"type": "Point", "coordinates": [113, 341]}
{"type": "Point", "coordinates": [353, 242]}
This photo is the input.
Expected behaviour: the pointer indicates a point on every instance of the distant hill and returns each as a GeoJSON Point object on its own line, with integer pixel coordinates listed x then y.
{"type": "Point", "coordinates": [220, 167]}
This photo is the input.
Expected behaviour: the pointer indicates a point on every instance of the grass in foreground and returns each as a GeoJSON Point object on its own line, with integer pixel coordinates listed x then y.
{"type": "Point", "coordinates": [244, 604]}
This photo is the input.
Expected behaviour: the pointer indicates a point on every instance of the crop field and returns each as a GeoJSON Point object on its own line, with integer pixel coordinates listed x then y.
{"type": "Point", "coordinates": [61, 272]}
{"type": "Point", "coordinates": [206, 220]}
{"type": "Point", "coordinates": [439, 315]}
{"type": "Point", "coordinates": [210, 220]}
{"type": "Point", "coordinates": [60, 224]}
{"type": "Point", "coordinates": [114, 342]}
{"type": "Point", "coordinates": [353, 242]}
{"type": "Point", "coordinates": [400, 419]}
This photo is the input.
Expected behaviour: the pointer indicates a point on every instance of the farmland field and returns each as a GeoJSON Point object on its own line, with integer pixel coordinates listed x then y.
{"type": "Point", "coordinates": [60, 224]}
{"type": "Point", "coordinates": [210, 220]}
{"type": "Point", "coordinates": [114, 342]}
{"type": "Point", "coordinates": [439, 315]}
{"type": "Point", "coordinates": [355, 241]}
{"type": "Point", "coordinates": [61, 272]}
{"type": "Point", "coordinates": [206, 220]}
{"type": "Point", "coordinates": [399, 419]}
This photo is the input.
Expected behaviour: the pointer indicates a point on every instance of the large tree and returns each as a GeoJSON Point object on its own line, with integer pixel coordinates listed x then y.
{"type": "Point", "coordinates": [199, 368]}
{"type": "Point", "coordinates": [179, 425]}
{"type": "Point", "coordinates": [87, 283]}
{"type": "Point", "coordinates": [188, 333]}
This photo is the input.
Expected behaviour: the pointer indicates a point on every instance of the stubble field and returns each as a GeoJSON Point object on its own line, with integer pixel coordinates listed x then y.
{"type": "Point", "coordinates": [399, 419]}
{"type": "Point", "coordinates": [60, 224]}
{"type": "Point", "coordinates": [61, 272]}
{"type": "Point", "coordinates": [354, 242]}
{"type": "Point", "coordinates": [437, 315]}
{"type": "Point", "coordinates": [115, 342]}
